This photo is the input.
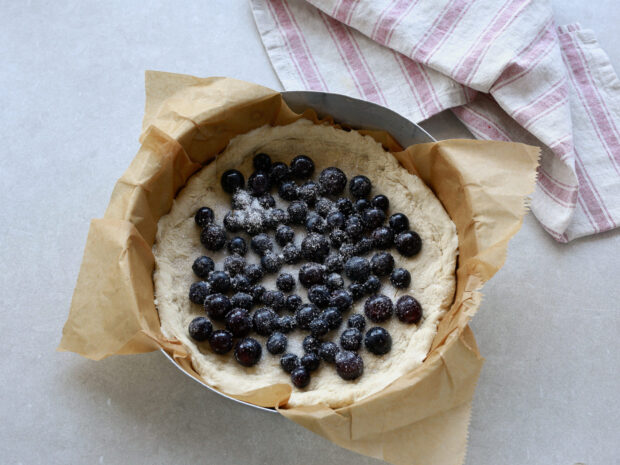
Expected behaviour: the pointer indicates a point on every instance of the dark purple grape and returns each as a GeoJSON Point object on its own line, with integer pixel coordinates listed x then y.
{"type": "Point", "coordinates": [361, 205]}
{"type": "Point", "coordinates": [382, 263]}
{"type": "Point", "coordinates": [213, 237]}
{"type": "Point", "coordinates": [204, 216]}
{"type": "Point", "coordinates": [354, 227]}
{"type": "Point", "coordinates": [237, 245]}
{"type": "Point", "coordinates": [408, 243]}
{"type": "Point", "coordinates": [333, 263]}
{"type": "Point", "coordinates": [284, 234]}
{"type": "Point", "coordinates": [311, 273]}
{"type": "Point", "coordinates": [357, 269]}
{"type": "Point", "coordinates": [356, 290]}
{"type": "Point", "coordinates": [288, 191]}
{"type": "Point", "coordinates": [286, 324]}
{"type": "Point", "coordinates": [261, 244]}
{"type": "Point", "coordinates": [198, 292]}
{"type": "Point", "coordinates": [305, 314]}
{"type": "Point", "coordinates": [257, 292]}
{"type": "Point", "coordinates": [408, 309]}
{"type": "Point", "coordinates": [238, 322]}
{"type": "Point", "coordinates": [311, 344]}
{"type": "Point", "coordinates": [372, 285]}
{"type": "Point", "coordinates": [351, 339]}
{"type": "Point", "coordinates": [318, 294]}
{"type": "Point", "coordinates": [347, 251]}
{"type": "Point", "coordinates": [328, 351]}
{"type": "Point", "coordinates": [309, 192]}
{"type": "Point", "coordinates": [335, 220]}
{"type": "Point", "coordinates": [259, 183]}
{"type": "Point", "coordinates": [254, 272]}
{"type": "Point", "coordinates": [240, 283]}
{"type": "Point", "coordinates": [373, 218]}
{"type": "Point", "coordinates": [264, 321]}
{"type": "Point", "coordinates": [310, 361]}
{"type": "Point", "coordinates": [332, 317]}
{"type": "Point", "coordinates": [275, 300]}
{"type": "Point", "coordinates": [332, 181]}
{"type": "Point", "coordinates": [234, 264]}
{"type": "Point", "coordinates": [267, 201]}
{"type": "Point", "coordinates": [357, 321]}
{"type": "Point", "coordinates": [261, 162]}
{"type": "Point", "coordinates": [319, 327]}
{"type": "Point", "coordinates": [297, 212]}
{"type": "Point", "coordinates": [300, 377]}
{"type": "Point", "coordinates": [275, 217]}
{"type": "Point", "coordinates": [323, 206]}
{"type": "Point", "coordinates": [302, 166]}
{"type": "Point", "coordinates": [271, 262]}
{"type": "Point", "coordinates": [293, 302]}
{"type": "Point", "coordinates": [399, 222]}
{"type": "Point", "coordinates": [349, 365]}
{"type": "Point", "coordinates": [364, 245]}
{"type": "Point", "coordinates": [285, 282]}
{"type": "Point", "coordinates": [277, 342]}
{"type": "Point", "coordinates": [219, 281]}
{"type": "Point", "coordinates": [248, 352]}
{"type": "Point", "coordinates": [221, 341]}
{"type": "Point", "coordinates": [378, 308]}
{"type": "Point", "coordinates": [341, 299]}
{"type": "Point", "coordinates": [360, 186]}
{"type": "Point", "coordinates": [217, 306]}
{"type": "Point", "coordinates": [200, 329]}
{"type": "Point", "coordinates": [233, 221]}
{"type": "Point", "coordinates": [315, 247]}
{"type": "Point", "coordinates": [289, 362]}
{"type": "Point", "coordinates": [242, 300]}
{"type": "Point", "coordinates": [203, 266]}
{"type": "Point", "coordinates": [378, 341]}
{"type": "Point", "coordinates": [400, 278]}
{"type": "Point", "coordinates": [232, 180]}
{"type": "Point", "coordinates": [337, 237]}
{"type": "Point", "coordinates": [314, 223]}
{"type": "Point", "coordinates": [344, 206]}
{"type": "Point", "coordinates": [291, 254]}
{"type": "Point", "coordinates": [334, 281]}
{"type": "Point", "coordinates": [278, 173]}
{"type": "Point", "coordinates": [381, 201]}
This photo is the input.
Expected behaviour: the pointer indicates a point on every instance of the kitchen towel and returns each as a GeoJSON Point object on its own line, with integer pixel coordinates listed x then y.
{"type": "Point", "coordinates": [502, 66]}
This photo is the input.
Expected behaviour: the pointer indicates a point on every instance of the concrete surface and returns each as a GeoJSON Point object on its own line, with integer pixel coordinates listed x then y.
{"type": "Point", "coordinates": [71, 103]}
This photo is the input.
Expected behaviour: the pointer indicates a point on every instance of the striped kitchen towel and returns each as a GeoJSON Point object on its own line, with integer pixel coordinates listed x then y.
{"type": "Point", "coordinates": [502, 66]}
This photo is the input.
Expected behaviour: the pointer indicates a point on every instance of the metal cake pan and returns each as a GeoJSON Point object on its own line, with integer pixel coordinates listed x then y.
{"type": "Point", "coordinates": [354, 113]}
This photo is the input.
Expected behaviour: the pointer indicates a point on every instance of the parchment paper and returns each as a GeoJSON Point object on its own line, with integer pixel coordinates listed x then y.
{"type": "Point", "coordinates": [422, 417]}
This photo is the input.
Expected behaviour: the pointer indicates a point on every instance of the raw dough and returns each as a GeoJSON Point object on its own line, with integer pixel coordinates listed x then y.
{"type": "Point", "coordinates": [432, 270]}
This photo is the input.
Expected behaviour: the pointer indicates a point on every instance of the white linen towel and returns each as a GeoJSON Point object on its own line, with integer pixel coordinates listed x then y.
{"type": "Point", "coordinates": [503, 67]}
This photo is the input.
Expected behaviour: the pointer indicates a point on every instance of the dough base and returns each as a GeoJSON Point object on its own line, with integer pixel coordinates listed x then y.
{"type": "Point", "coordinates": [432, 270]}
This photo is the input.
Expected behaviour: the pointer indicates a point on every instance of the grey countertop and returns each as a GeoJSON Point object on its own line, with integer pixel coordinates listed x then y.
{"type": "Point", "coordinates": [72, 100]}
